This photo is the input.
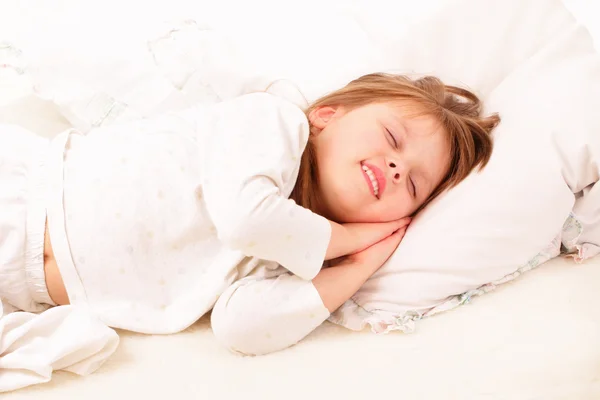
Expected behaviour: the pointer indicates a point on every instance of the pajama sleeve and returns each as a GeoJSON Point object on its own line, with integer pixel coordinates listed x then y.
{"type": "Point", "coordinates": [257, 315]}
{"type": "Point", "coordinates": [251, 164]}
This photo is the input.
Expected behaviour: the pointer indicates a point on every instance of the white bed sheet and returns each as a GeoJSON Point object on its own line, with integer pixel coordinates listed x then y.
{"type": "Point", "coordinates": [536, 338]}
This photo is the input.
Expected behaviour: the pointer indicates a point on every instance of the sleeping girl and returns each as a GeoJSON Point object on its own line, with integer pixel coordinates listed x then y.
{"type": "Point", "coordinates": [268, 213]}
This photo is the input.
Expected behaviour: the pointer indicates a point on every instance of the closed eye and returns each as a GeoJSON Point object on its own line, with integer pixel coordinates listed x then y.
{"type": "Point", "coordinates": [414, 187]}
{"type": "Point", "coordinates": [393, 138]}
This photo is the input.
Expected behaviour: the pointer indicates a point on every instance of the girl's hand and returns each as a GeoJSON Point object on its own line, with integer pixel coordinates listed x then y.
{"type": "Point", "coordinates": [376, 255]}
{"type": "Point", "coordinates": [352, 238]}
{"type": "Point", "coordinates": [345, 276]}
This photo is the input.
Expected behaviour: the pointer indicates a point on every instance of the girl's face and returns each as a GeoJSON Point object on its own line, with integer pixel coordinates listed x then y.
{"type": "Point", "coordinates": [375, 164]}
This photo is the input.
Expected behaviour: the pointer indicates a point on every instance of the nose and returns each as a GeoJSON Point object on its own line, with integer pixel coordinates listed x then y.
{"type": "Point", "coordinates": [396, 170]}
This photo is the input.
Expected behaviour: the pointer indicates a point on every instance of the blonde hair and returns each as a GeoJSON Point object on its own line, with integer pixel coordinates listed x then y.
{"type": "Point", "coordinates": [457, 110]}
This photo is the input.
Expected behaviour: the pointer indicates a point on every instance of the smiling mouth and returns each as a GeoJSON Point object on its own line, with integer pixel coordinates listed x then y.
{"type": "Point", "coordinates": [371, 180]}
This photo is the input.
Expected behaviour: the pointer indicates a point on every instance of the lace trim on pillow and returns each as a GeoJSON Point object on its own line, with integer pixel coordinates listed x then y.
{"type": "Point", "coordinates": [572, 231]}
{"type": "Point", "coordinates": [356, 317]}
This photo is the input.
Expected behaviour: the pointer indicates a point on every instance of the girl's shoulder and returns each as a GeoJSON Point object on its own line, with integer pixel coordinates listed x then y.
{"type": "Point", "coordinates": [279, 96]}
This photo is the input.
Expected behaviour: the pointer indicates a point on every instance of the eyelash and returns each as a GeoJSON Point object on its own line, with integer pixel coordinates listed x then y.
{"type": "Point", "coordinates": [414, 187]}
{"type": "Point", "coordinates": [393, 138]}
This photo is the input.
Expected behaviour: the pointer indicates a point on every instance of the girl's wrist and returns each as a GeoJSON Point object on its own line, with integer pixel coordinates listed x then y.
{"type": "Point", "coordinates": [358, 264]}
{"type": "Point", "coordinates": [338, 242]}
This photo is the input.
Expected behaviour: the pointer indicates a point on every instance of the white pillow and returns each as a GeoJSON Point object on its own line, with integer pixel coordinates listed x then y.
{"type": "Point", "coordinates": [547, 148]}
{"type": "Point", "coordinates": [355, 317]}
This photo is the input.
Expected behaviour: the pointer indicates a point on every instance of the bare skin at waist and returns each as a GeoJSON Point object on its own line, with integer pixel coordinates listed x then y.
{"type": "Point", "coordinates": [54, 282]}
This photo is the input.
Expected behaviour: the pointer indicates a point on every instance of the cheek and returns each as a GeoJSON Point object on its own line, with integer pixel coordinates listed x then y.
{"type": "Point", "coordinates": [391, 210]}
{"type": "Point", "coordinates": [397, 210]}
{"type": "Point", "coordinates": [327, 165]}
{"type": "Point", "coordinates": [399, 206]}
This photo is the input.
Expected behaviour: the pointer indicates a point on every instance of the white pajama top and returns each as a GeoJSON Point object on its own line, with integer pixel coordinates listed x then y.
{"type": "Point", "coordinates": [154, 223]}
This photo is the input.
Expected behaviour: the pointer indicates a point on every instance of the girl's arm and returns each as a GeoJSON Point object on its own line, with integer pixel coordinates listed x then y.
{"type": "Point", "coordinates": [257, 316]}
{"type": "Point", "coordinates": [262, 315]}
{"type": "Point", "coordinates": [251, 162]}
{"type": "Point", "coordinates": [250, 165]}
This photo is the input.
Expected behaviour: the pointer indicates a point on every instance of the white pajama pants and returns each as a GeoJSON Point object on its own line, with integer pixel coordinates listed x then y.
{"type": "Point", "coordinates": [35, 340]}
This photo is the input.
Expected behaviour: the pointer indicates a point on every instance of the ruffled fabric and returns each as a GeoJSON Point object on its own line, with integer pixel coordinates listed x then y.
{"type": "Point", "coordinates": [571, 243]}
{"type": "Point", "coordinates": [356, 317]}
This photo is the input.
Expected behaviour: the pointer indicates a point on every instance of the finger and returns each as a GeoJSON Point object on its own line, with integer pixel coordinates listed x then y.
{"type": "Point", "coordinates": [393, 226]}
{"type": "Point", "coordinates": [404, 221]}
{"type": "Point", "coordinates": [384, 230]}
{"type": "Point", "coordinates": [402, 232]}
{"type": "Point", "coordinates": [399, 234]}
{"type": "Point", "coordinates": [383, 250]}
{"type": "Point", "coordinates": [399, 223]}
{"type": "Point", "coordinates": [394, 238]}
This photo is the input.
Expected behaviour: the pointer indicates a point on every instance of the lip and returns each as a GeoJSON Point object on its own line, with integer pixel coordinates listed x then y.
{"type": "Point", "coordinates": [379, 176]}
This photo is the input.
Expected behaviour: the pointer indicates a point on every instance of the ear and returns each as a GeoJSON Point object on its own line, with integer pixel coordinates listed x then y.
{"type": "Point", "coordinates": [321, 116]}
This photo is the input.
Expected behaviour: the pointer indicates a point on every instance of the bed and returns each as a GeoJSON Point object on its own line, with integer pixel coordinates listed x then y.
{"type": "Point", "coordinates": [533, 338]}
{"type": "Point", "coordinates": [536, 338]}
